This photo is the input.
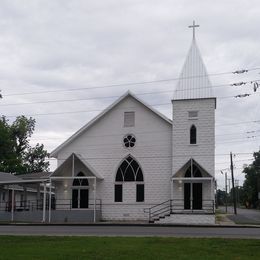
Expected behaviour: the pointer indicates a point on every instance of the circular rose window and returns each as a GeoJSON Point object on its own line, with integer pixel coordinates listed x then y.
{"type": "Point", "coordinates": [129, 140]}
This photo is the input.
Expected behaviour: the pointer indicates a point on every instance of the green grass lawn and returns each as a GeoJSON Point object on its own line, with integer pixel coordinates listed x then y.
{"type": "Point", "coordinates": [33, 247]}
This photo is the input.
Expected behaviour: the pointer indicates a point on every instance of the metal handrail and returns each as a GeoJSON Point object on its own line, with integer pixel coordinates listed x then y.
{"type": "Point", "coordinates": [159, 210]}
{"type": "Point", "coordinates": [169, 206]}
{"type": "Point", "coordinates": [159, 204]}
{"type": "Point", "coordinates": [31, 205]}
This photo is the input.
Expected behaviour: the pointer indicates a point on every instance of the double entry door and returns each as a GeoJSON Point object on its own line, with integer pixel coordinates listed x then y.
{"type": "Point", "coordinates": [196, 190]}
{"type": "Point", "coordinates": [79, 198]}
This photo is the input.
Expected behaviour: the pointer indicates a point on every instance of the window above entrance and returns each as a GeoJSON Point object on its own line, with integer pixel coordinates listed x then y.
{"type": "Point", "coordinates": [129, 140]}
{"type": "Point", "coordinates": [80, 182]}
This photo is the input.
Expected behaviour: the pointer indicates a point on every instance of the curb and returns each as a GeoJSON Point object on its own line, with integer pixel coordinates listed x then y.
{"type": "Point", "coordinates": [130, 224]}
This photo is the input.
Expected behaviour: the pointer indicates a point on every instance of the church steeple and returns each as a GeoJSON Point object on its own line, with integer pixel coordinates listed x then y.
{"type": "Point", "coordinates": [194, 81]}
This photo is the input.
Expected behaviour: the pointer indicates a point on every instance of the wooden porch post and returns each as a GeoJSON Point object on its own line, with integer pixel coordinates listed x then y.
{"type": "Point", "coordinates": [50, 202]}
{"type": "Point", "coordinates": [44, 203]}
{"type": "Point", "coordinates": [73, 166]}
{"type": "Point", "coordinates": [38, 197]}
{"type": "Point", "coordinates": [12, 209]}
{"type": "Point", "coordinates": [25, 197]}
{"type": "Point", "coordinates": [212, 194]}
{"type": "Point", "coordinates": [171, 188]}
{"type": "Point", "coordinates": [95, 182]}
{"type": "Point", "coordinates": [191, 188]}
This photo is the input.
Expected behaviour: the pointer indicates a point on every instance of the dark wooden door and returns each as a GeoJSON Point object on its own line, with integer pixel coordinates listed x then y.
{"type": "Point", "coordinates": [75, 195]}
{"type": "Point", "coordinates": [186, 195]}
{"type": "Point", "coordinates": [197, 195]}
{"type": "Point", "coordinates": [83, 199]}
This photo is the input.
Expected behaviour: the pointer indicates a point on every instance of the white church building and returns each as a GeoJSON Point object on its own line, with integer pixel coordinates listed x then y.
{"type": "Point", "coordinates": [132, 163]}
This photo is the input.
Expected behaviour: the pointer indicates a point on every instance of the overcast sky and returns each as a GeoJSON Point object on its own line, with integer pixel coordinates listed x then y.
{"type": "Point", "coordinates": [59, 45]}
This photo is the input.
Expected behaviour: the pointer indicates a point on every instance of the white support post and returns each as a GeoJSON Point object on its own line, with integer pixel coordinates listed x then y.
{"type": "Point", "coordinates": [44, 203]}
{"type": "Point", "coordinates": [191, 188]}
{"type": "Point", "coordinates": [95, 183]}
{"type": "Point", "coordinates": [38, 197]}
{"type": "Point", "coordinates": [26, 204]}
{"type": "Point", "coordinates": [50, 202]}
{"type": "Point", "coordinates": [12, 209]}
{"type": "Point", "coordinates": [73, 166]}
{"type": "Point", "coordinates": [171, 194]}
{"type": "Point", "coordinates": [191, 195]}
{"type": "Point", "coordinates": [191, 167]}
{"type": "Point", "coordinates": [212, 193]}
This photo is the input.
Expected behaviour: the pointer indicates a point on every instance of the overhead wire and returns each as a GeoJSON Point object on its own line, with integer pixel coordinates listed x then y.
{"type": "Point", "coordinates": [133, 83]}
{"type": "Point", "coordinates": [97, 98]}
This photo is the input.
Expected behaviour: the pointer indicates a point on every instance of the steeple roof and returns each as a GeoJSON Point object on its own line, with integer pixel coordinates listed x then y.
{"type": "Point", "coordinates": [194, 81]}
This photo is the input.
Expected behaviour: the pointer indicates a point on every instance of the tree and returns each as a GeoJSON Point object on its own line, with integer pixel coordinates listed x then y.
{"type": "Point", "coordinates": [250, 186]}
{"type": "Point", "coordinates": [16, 154]}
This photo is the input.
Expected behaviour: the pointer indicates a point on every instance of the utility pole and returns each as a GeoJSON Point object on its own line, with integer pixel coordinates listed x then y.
{"type": "Point", "coordinates": [233, 184]}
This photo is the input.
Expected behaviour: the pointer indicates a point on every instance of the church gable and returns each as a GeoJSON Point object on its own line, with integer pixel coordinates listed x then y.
{"type": "Point", "coordinates": [128, 113]}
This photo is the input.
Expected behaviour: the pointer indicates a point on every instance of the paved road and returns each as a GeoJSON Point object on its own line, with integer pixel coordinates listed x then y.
{"type": "Point", "coordinates": [244, 216]}
{"type": "Point", "coordinates": [131, 231]}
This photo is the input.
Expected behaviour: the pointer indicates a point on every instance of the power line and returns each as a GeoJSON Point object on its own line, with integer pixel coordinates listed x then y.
{"type": "Point", "coordinates": [123, 134]}
{"type": "Point", "coordinates": [88, 88]}
{"type": "Point", "coordinates": [227, 162]}
{"type": "Point", "coordinates": [238, 123]}
{"type": "Point", "coordinates": [87, 111]}
{"type": "Point", "coordinates": [237, 133]}
{"type": "Point", "coordinates": [143, 132]}
{"type": "Point", "coordinates": [157, 143]}
{"type": "Point", "coordinates": [95, 98]}
{"type": "Point", "coordinates": [132, 83]}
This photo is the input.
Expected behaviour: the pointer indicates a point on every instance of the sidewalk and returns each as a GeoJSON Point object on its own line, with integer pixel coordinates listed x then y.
{"type": "Point", "coordinates": [243, 217]}
{"type": "Point", "coordinates": [224, 220]}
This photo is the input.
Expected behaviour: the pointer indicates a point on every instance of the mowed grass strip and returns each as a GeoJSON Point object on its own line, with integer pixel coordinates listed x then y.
{"type": "Point", "coordinates": [45, 247]}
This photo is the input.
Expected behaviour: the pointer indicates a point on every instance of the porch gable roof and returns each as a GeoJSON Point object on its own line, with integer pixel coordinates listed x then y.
{"type": "Point", "coordinates": [181, 172]}
{"type": "Point", "coordinates": [82, 160]}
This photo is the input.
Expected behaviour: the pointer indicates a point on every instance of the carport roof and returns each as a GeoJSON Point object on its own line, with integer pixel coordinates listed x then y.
{"type": "Point", "coordinates": [4, 176]}
{"type": "Point", "coordinates": [9, 178]}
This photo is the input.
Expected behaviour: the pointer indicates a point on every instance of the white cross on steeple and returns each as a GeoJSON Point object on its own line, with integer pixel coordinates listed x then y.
{"type": "Point", "coordinates": [193, 26]}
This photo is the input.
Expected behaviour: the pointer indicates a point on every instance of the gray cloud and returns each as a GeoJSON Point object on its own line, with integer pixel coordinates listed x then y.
{"type": "Point", "coordinates": [47, 45]}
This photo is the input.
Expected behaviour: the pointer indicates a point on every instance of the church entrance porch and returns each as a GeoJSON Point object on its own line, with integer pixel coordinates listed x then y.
{"type": "Point", "coordinates": [75, 183]}
{"type": "Point", "coordinates": [192, 189]}
{"type": "Point", "coordinates": [192, 198]}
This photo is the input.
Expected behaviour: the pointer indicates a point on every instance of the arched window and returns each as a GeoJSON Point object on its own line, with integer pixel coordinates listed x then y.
{"type": "Point", "coordinates": [80, 192]}
{"type": "Point", "coordinates": [195, 172]}
{"type": "Point", "coordinates": [80, 182]}
{"type": "Point", "coordinates": [193, 135]}
{"type": "Point", "coordinates": [129, 171]}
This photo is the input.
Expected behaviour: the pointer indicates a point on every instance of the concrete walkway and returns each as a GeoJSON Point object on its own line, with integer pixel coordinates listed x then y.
{"type": "Point", "coordinates": [244, 216]}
